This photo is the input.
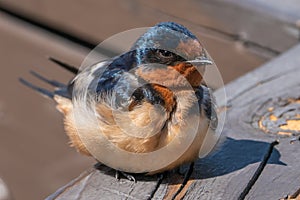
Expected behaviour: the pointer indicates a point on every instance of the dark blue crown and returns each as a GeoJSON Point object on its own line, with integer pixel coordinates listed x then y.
{"type": "Point", "coordinates": [176, 27]}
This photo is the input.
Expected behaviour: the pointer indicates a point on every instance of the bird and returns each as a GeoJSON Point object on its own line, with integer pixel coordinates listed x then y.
{"type": "Point", "coordinates": [147, 110]}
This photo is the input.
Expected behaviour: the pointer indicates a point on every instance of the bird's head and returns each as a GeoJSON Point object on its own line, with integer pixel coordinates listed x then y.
{"type": "Point", "coordinates": [172, 44]}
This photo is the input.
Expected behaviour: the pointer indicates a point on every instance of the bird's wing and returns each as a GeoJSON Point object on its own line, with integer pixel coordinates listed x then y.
{"type": "Point", "coordinates": [62, 89]}
{"type": "Point", "coordinates": [206, 101]}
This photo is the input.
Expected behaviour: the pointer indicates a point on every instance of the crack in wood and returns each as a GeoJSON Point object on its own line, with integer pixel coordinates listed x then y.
{"type": "Point", "coordinates": [185, 180]}
{"type": "Point", "coordinates": [159, 181]}
{"type": "Point", "coordinates": [258, 171]}
{"type": "Point", "coordinates": [82, 189]}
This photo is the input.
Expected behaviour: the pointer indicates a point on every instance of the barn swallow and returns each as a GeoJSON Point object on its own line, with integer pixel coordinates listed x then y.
{"type": "Point", "coordinates": [140, 101]}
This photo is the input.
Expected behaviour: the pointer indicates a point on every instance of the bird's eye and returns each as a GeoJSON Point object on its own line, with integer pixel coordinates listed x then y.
{"type": "Point", "coordinates": [164, 53]}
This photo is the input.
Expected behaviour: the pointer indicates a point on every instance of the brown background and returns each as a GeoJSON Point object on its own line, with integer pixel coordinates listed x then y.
{"type": "Point", "coordinates": [35, 158]}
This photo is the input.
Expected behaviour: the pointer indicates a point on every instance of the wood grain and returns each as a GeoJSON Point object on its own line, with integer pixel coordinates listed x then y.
{"type": "Point", "coordinates": [234, 170]}
{"type": "Point", "coordinates": [226, 173]}
{"type": "Point", "coordinates": [95, 21]}
{"type": "Point", "coordinates": [248, 165]}
{"type": "Point", "coordinates": [33, 146]}
{"type": "Point", "coordinates": [230, 18]}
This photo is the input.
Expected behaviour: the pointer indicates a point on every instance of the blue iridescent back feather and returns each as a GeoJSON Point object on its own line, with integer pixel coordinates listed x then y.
{"type": "Point", "coordinates": [164, 34]}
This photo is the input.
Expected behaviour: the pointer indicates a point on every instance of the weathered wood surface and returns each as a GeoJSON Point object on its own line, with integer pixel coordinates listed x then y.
{"type": "Point", "coordinates": [96, 21]}
{"type": "Point", "coordinates": [229, 18]}
{"type": "Point", "coordinates": [225, 174]}
{"type": "Point", "coordinates": [249, 165]}
{"type": "Point", "coordinates": [33, 147]}
{"type": "Point", "coordinates": [30, 127]}
{"type": "Point", "coordinates": [24, 47]}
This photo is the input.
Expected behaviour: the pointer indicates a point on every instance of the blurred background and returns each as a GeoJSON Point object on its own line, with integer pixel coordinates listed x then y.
{"type": "Point", "coordinates": [35, 159]}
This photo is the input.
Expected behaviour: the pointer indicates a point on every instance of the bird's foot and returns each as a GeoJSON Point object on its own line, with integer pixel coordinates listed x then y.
{"type": "Point", "coordinates": [126, 175]}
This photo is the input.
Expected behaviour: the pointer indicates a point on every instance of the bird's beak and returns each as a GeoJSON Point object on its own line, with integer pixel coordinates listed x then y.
{"type": "Point", "coordinates": [200, 61]}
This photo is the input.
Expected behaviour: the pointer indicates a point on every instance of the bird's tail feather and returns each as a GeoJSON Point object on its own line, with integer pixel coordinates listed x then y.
{"type": "Point", "coordinates": [42, 91]}
{"type": "Point", "coordinates": [64, 65]}
{"type": "Point", "coordinates": [60, 89]}
{"type": "Point", "coordinates": [62, 95]}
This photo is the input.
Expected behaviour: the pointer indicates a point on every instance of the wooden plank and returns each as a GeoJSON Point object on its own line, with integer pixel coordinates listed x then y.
{"type": "Point", "coordinates": [246, 168]}
{"type": "Point", "coordinates": [226, 173]}
{"type": "Point", "coordinates": [247, 160]}
{"type": "Point", "coordinates": [251, 21]}
{"type": "Point", "coordinates": [35, 157]}
{"type": "Point", "coordinates": [101, 183]}
{"type": "Point", "coordinates": [34, 145]}
{"type": "Point", "coordinates": [280, 180]}
{"type": "Point", "coordinates": [229, 18]}
{"type": "Point", "coordinates": [96, 21]}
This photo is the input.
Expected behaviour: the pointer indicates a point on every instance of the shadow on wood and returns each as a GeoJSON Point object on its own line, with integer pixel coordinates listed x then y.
{"type": "Point", "coordinates": [233, 155]}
